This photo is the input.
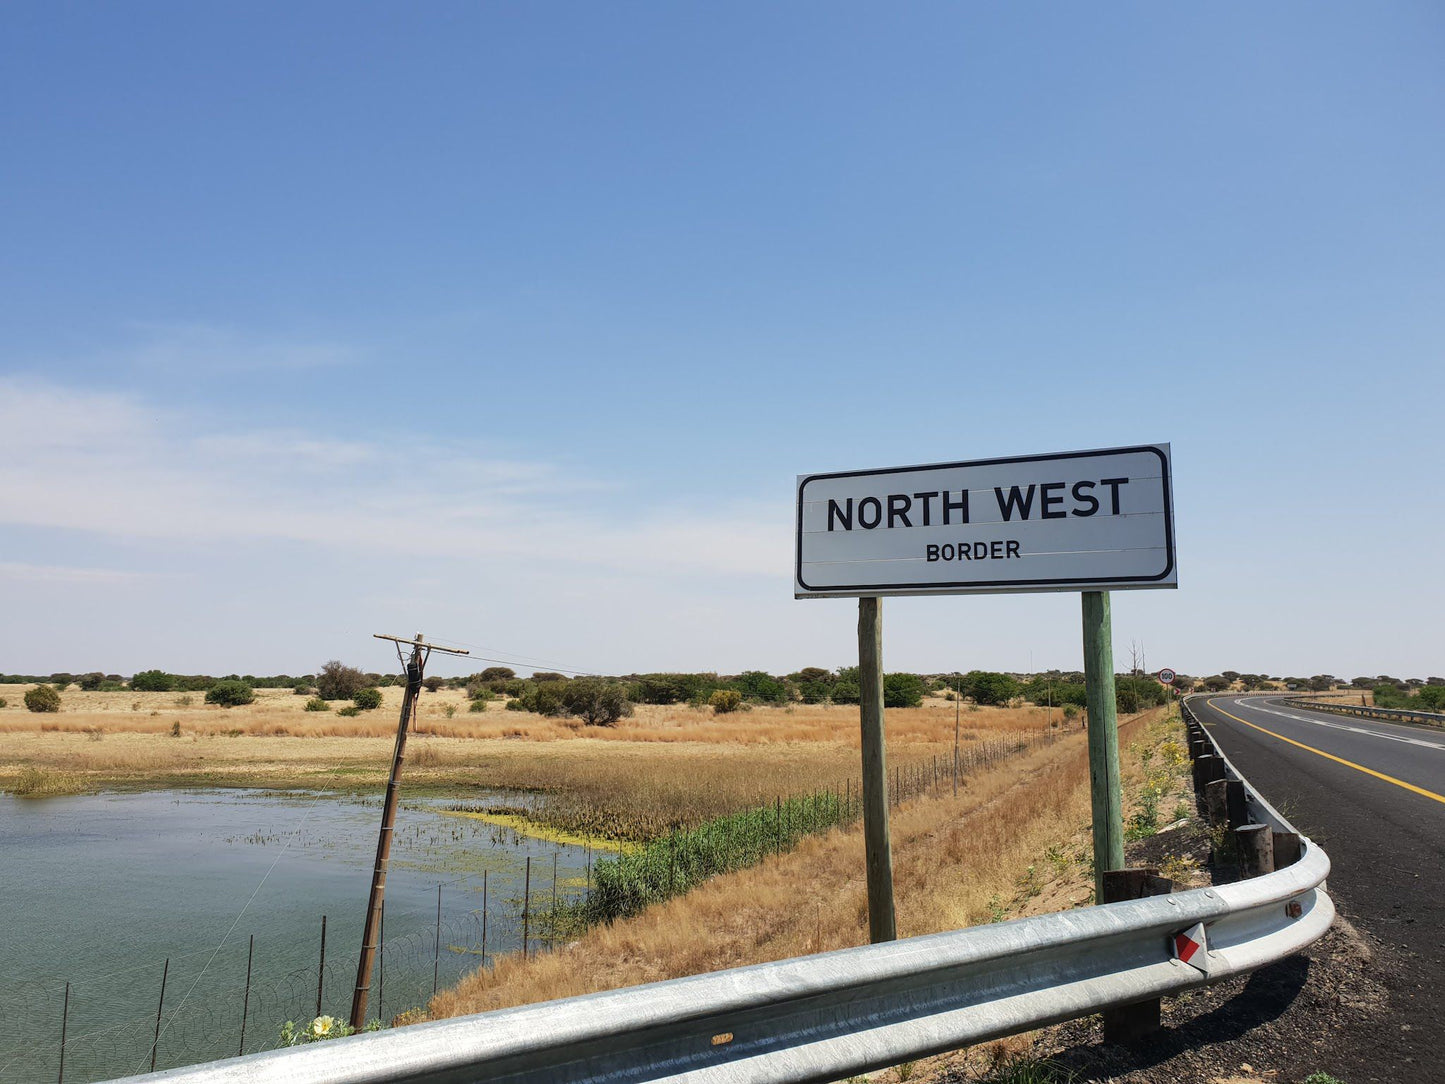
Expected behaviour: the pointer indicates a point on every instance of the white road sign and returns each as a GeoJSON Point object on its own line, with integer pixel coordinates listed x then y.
{"type": "Point", "coordinates": [1074, 521]}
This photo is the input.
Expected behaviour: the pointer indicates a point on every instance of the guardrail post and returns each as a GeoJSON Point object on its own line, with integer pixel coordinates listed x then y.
{"type": "Point", "coordinates": [1236, 803]}
{"type": "Point", "coordinates": [1287, 849]}
{"type": "Point", "coordinates": [1207, 769]}
{"type": "Point", "coordinates": [1255, 843]}
{"type": "Point", "coordinates": [1216, 802]}
{"type": "Point", "coordinates": [1132, 1023]}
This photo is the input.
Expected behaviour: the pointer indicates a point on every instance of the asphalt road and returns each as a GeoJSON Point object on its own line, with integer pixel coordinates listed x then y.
{"type": "Point", "coordinates": [1373, 795]}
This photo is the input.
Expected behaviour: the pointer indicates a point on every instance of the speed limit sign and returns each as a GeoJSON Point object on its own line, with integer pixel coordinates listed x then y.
{"type": "Point", "coordinates": [1167, 676]}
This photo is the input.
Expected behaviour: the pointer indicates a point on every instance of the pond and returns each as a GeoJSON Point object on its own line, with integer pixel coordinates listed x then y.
{"type": "Point", "coordinates": [117, 894]}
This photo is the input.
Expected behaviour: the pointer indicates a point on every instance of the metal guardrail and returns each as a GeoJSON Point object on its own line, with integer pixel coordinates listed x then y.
{"type": "Point", "coordinates": [826, 1017]}
{"type": "Point", "coordinates": [1399, 715]}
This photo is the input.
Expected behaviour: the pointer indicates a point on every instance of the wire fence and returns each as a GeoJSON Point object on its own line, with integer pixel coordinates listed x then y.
{"type": "Point", "coordinates": [210, 1004]}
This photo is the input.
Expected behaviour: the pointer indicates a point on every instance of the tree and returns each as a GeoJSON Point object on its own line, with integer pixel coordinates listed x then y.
{"type": "Point", "coordinates": [42, 698]}
{"type": "Point", "coordinates": [762, 686]}
{"type": "Point", "coordinates": [545, 698]}
{"type": "Point", "coordinates": [230, 693]}
{"type": "Point", "coordinates": [498, 673]}
{"type": "Point", "coordinates": [545, 675]}
{"type": "Point", "coordinates": [902, 690]}
{"type": "Point", "coordinates": [153, 681]}
{"type": "Point", "coordinates": [597, 702]}
{"type": "Point", "coordinates": [367, 699]}
{"type": "Point", "coordinates": [434, 683]}
{"type": "Point", "coordinates": [814, 684]}
{"type": "Point", "coordinates": [987, 687]}
{"type": "Point", "coordinates": [1432, 697]}
{"type": "Point", "coordinates": [337, 681]}
{"type": "Point", "coordinates": [1216, 684]}
{"type": "Point", "coordinates": [1321, 682]}
{"type": "Point", "coordinates": [659, 689]}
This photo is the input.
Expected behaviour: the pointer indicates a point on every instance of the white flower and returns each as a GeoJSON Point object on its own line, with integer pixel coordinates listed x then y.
{"type": "Point", "coordinates": [321, 1026]}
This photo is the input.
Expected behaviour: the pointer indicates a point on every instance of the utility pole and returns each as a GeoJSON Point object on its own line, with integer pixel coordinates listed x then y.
{"type": "Point", "coordinates": [415, 665]}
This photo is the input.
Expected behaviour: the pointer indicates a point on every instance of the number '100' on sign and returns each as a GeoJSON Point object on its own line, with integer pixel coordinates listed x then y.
{"type": "Point", "coordinates": [1071, 521]}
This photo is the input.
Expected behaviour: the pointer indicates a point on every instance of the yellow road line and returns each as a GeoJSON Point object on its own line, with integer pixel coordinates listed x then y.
{"type": "Point", "coordinates": [1338, 760]}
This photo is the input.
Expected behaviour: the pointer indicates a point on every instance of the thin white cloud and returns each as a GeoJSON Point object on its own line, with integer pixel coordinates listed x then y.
{"type": "Point", "coordinates": [120, 466]}
{"type": "Point", "coordinates": [200, 347]}
{"type": "Point", "coordinates": [19, 571]}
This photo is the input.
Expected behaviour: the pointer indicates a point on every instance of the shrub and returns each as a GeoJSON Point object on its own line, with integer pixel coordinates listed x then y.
{"type": "Point", "coordinates": [847, 691]}
{"type": "Point", "coordinates": [725, 700]}
{"type": "Point", "coordinates": [317, 704]}
{"type": "Point", "coordinates": [449, 710]}
{"type": "Point", "coordinates": [350, 711]}
{"type": "Point", "coordinates": [4, 703]}
{"type": "Point", "coordinates": [176, 729]}
{"type": "Point", "coordinates": [91, 682]}
{"type": "Point", "coordinates": [230, 694]}
{"type": "Point", "coordinates": [153, 681]}
{"type": "Point", "coordinates": [301, 689]}
{"type": "Point", "coordinates": [478, 705]}
{"type": "Point", "coordinates": [337, 681]}
{"type": "Point", "coordinates": [434, 683]}
{"type": "Point", "coordinates": [497, 673]}
{"type": "Point", "coordinates": [547, 675]}
{"type": "Point", "coordinates": [42, 698]}
{"type": "Point", "coordinates": [597, 702]}
{"type": "Point", "coordinates": [367, 699]}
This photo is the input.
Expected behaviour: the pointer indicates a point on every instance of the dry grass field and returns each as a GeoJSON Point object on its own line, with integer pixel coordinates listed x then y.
{"type": "Point", "coordinates": [662, 766]}
{"type": "Point", "coordinates": [1015, 840]}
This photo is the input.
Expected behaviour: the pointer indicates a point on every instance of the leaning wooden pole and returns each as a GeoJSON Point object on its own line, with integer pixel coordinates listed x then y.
{"type": "Point", "coordinates": [1103, 738]}
{"type": "Point", "coordinates": [383, 844]}
{"type": "Point", "coordinates": [882, 924]}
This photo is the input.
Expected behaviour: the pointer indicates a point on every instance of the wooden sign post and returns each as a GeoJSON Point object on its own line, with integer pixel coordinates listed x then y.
{"type": "Point", "coordinates": [1090, 522]}
{"type": "Point", "coordinates": [1107, 802]}
{"type": "Point", "coordinates": [882, 923]}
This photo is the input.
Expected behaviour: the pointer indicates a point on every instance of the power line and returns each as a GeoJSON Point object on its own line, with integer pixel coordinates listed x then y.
{"type": "Point", "coordinates": [512, 657]}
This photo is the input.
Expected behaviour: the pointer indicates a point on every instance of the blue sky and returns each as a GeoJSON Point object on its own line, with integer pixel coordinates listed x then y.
{"type": "Point", "coordinates": [514, 323]}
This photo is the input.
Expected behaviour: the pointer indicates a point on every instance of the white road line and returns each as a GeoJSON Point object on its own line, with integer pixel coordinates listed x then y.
{"type": "Point", "coordinates": [1254, 705]}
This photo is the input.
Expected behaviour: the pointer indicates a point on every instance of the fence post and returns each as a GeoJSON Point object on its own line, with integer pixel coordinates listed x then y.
{"type": "Point", "coordinates": [436, 962]}
{"type": "Point", "coordinates": [64, 1020]}
{"type": "Point", "coordinates": [246, 997]}
{"type": "Point", "coordinates": [321, 968]}
{"type": "Point", "coordinates": [484, 918]}
{"type": "Point", "coordinates": [526, 906]}
{"type": "Point", "coordinates": [552, 919]}
{"type": "Point", "coordinates": [159, 1006]}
